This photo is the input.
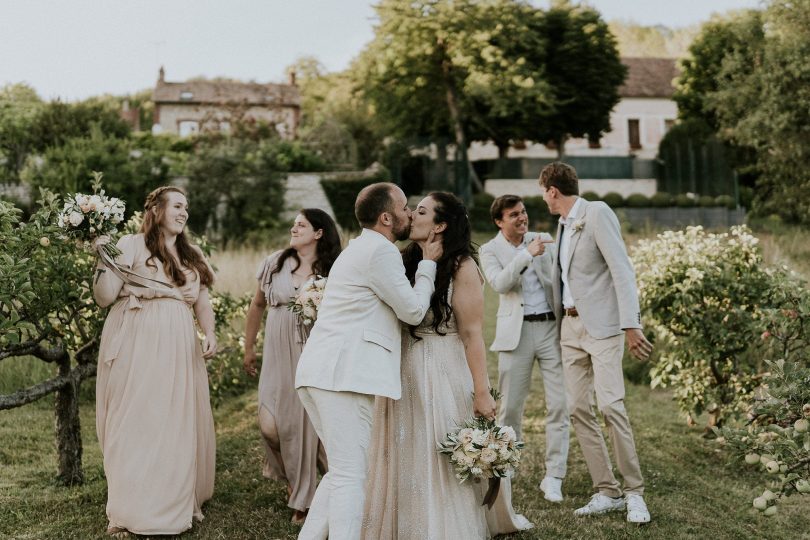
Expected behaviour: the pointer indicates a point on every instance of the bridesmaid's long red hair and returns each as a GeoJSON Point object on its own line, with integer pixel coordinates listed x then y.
{"type": "Point", "coordinates": [190, 257]}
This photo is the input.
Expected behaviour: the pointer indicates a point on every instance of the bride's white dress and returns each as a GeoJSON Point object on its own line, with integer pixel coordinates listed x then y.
{"type": "Point", "coordinates": [412, 491]}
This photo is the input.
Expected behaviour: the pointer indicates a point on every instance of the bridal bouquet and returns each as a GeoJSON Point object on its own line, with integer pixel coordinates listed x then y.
{"type": "Point", "coordinates": [306, 304]}
{"type": "Point", "coordinates": [481, 449]}
{"type": "Point", "coordinates": [86, 217]}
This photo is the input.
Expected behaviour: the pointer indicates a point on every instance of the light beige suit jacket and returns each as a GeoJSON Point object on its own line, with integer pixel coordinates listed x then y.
{"type": "Point", "coordinates": [504, 273]}
{"type": "Point", "coordinates": [601, 277]}
{"type": "Point", "coordinates": [355, 343]}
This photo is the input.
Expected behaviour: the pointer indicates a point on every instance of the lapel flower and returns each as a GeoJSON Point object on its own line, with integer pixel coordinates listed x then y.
{"type": "Point", "coordinates": [578, 225]}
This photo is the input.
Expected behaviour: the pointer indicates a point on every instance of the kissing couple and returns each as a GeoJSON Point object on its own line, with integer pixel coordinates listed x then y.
{"type": "Point", "coordinates": [394, 361]}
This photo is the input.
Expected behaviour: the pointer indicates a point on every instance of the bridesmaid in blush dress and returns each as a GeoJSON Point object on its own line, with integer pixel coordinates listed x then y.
{"type": "Point", "coordinates": [153, 414]}
{"type": "Point", "coordinates": [293, 453]}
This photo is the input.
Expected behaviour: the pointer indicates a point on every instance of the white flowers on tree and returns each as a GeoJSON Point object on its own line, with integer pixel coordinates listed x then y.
{"type": "Point", "coordinates": [308, 300]}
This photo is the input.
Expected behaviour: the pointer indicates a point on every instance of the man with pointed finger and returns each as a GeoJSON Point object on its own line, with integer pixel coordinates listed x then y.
{"type": "Point", "coordinates": [596, 303]}
{"type": "Point", "coordinates": [518, 266]}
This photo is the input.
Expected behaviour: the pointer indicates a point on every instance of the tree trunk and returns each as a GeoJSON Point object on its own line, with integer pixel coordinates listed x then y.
{"type": "Point", "coordinates": [439, 180]}
{"type": "Point", "coordinates": [68, 429]}
{"type": "Point", "coordinates": [462, 188]}
{"type": "Point", "coordinates": [500, 165]}
{"type": "Point", "coordinates": [560, 148]}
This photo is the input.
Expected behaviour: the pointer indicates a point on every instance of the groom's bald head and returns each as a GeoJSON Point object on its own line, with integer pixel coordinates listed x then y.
{"type": "Point", "coordinates": [372, 201]}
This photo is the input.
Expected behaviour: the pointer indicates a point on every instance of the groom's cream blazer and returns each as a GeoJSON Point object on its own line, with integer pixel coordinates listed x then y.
{"type": "Point", "coordinates": [602, 280]}
{"type": "Point", "coordinates": [355, 343]}
{"type": "Point", "coordinates": [504, 272]}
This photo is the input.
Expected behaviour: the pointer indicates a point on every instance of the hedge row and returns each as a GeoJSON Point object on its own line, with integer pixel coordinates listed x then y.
{"type": "Point", "coordinates": [342, 190]}
{"type": "Point", "coordinates": [661, 199]}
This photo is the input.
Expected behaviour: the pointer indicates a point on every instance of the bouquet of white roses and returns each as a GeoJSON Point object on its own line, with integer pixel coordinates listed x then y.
{"type": "Point", "coordinates": [86, 217]}
{"type": "Point", "coordinates": [481, 449]}
{"type": "Point", "coordinates": [308, 300]}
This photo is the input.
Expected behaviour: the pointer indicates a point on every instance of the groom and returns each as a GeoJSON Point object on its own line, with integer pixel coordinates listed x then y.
{"type": "Point", "coordinates": [353, 352]}
{"type": "Point", "coordinates": [596, 303]}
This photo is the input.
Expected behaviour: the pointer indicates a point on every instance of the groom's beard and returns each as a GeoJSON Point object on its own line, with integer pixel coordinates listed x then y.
{"type": "Point", "coordinates": [401, 229]}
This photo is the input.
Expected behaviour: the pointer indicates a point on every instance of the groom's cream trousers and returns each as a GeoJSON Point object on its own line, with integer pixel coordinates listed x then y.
{"type": "Point", "coordinates": [343, 423]}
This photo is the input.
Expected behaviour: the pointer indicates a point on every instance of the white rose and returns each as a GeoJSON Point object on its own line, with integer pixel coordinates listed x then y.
{"type": "Point", "coordinates": [476, 471]}
{"type": "Point", "coordinates": [488, 455]}
{"type": "Point", "coordinates": [75, 218]}
{"type": "Point", "coordinates": [479, 437]}
{"type": "Point", "coordinates": [465, 435]}
{"type": "Point", "coordinates": [508, 434]}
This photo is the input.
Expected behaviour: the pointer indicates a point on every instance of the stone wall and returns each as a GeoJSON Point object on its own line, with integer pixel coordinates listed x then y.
{"type": "Point", "coordinates": [304, 190]}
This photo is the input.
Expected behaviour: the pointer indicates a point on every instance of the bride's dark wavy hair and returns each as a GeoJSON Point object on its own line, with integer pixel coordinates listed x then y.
{"type": "Point", "coordinates": [457, 246]}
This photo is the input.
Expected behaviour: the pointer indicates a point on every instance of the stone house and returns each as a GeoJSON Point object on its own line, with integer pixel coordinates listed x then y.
{"type": "Point", "coordinates": [185, 108]}
{"type": "Point", "coordinates": [638, 122]}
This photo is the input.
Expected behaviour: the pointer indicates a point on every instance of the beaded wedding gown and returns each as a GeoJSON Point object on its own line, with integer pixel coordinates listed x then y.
{"type": "Point", "coordinates": [412, 491]}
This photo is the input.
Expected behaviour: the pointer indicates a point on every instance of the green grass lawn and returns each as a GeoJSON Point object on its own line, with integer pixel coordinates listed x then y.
{"type": "Point", "coordinates": [691, 492]}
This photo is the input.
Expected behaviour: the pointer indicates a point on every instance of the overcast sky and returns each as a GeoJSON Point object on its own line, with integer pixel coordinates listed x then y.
{"type": "Point", "coordinates": [74, 49]}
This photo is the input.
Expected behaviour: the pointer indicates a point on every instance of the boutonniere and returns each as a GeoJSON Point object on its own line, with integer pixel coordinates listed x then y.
{"type": "Point", "coordinates": [578, 225]}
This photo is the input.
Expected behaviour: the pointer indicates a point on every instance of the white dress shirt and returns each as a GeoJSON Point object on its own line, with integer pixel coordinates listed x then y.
{"type": "Point", "coordinates": [534, 295]}
{"type": "Point", "coordinates": [565, 244]}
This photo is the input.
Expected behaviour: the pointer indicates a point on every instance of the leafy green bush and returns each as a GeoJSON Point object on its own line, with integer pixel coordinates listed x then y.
{"type": "Point", "coordinates": [776, 436]}
{"type": "Point", "coordinates": [342, 190]}
{"type": "Point", "coordinates": [590, 196]}
{"type": "Point", "coordinates": [479, 214]}
{"type": "Point", "coordinates": [225, 374]}
{"type": "Point", "coordinates": [613, 199]}
{"type": "Point", "coordinates": [637, 200]}
{"type": "Point", "coordinates": [537, 209]}
{"type": "Point", "coordinates": [662, 199]}
{"type": "Point", "coordinates": [682, 200]}
{"type": "Point", "coordinates": [703, 295]}
{"type": "Point", "coordinates": [706, 201]}
{"type": "Point", "coordinates": [726, 201]}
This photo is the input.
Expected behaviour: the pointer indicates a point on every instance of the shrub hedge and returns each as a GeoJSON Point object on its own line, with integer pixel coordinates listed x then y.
{"type": "Point", "coordinates": [342, 190]}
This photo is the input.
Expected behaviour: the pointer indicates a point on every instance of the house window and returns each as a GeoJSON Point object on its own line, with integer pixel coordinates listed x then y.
{"type": "Point", "coordinates": [186, 96]}
{"type": "Point", "coordinates": [634, 133]}
{"type": "Point", "coordinates": [668, 123]}
{"type": "Point", "coordinates": [594, 142]}
{"type": "Point", "coordinates": [188, 127]}
{"type": "Point", "coordinates": [225, 127]}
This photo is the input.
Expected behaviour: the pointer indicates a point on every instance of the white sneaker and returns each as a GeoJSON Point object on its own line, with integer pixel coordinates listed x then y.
{"type": "Point", "coordinates": [600, 504]}
{"type": "Point", "coordinates": [636, 509]}
{"type": "Point", "coordinates": [552, 488]}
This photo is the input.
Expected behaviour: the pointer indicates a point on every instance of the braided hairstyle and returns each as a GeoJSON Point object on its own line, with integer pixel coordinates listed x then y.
{"type": "Point", "coordinates": [456, 247]}
{"type": "Point", "coordinates": [190, 256]}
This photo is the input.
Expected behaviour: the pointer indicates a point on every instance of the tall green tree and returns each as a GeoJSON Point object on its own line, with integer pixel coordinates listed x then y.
{"type": "Point", "coordinates": [765, 105]}
{"type": "Point", "coordinates": [583, 69]}
{"type": "Point", "coordinates": [19, 108]}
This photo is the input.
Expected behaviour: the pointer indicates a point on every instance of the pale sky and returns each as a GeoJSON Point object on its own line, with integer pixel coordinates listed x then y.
{"type": "Point", "coordinates": [73, 49]}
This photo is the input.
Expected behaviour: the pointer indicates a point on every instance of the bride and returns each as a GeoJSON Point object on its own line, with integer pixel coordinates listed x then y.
{"type": "Point", "coordinates": [412, 492]}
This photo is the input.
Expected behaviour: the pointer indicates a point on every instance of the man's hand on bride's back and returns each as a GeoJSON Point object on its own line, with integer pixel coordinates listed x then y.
{"type": "Point", "coordinates": [433, 247]}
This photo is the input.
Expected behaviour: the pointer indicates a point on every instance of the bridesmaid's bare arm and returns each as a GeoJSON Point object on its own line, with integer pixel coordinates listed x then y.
{"type": "Point", "coordinates": [252, 323]}
{"type": "Point", "coordinates": [205, 318]}
{"type": "Point", "coordinates": [106, 285]}
{"type": "Point", "coordinates": [468, 306]}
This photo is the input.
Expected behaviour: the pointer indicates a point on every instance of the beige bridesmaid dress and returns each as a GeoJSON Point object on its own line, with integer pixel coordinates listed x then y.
{"type": "Point", "coordinates": [153, 413]}
{"type": "Point", "coordinates": [293, 452]}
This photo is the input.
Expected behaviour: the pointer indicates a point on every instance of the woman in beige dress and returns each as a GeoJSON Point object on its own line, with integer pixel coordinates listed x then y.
{"type": "Point", "coordinates": [293, 453]}
{"type": "Point", "coordinates": [412, 491]}
{"type": "Point", "coordinates": [153, 414]}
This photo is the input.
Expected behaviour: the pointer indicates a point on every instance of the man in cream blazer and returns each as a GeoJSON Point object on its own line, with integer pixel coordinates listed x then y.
{"type": "Point", "coordinates": [596, 301]}
{"type": "Point", "coordinates": [518, 266]}
{"type": "Point", "coordinates": [353, 352]}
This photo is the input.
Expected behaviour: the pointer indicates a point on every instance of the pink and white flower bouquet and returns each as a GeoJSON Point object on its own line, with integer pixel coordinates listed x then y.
{"type": "Point", "coordinates": [86, 217]}
{"type": "Point", "coordinates": [481, 449]}
{"type": "Point", "coordinates": [308, 300]}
